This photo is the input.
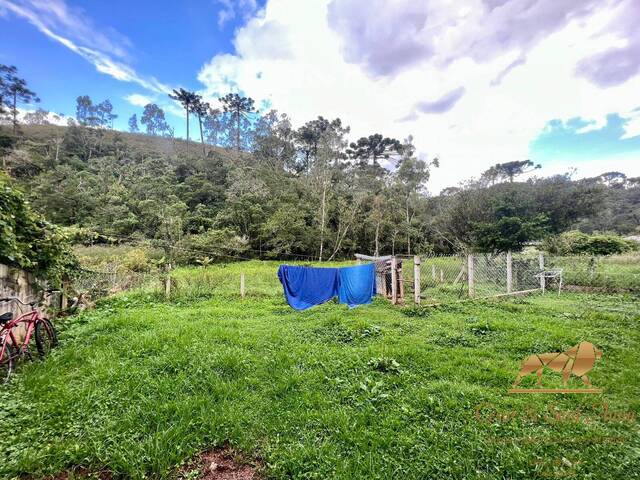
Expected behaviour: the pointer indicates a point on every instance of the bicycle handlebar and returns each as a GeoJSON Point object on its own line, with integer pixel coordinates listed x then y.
{"type": "Point", "coordinates": [16, 299]}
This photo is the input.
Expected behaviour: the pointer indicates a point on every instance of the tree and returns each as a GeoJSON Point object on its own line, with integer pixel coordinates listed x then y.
{"type": "Point", "coordinates": [133, 123]}
{"type": "Point", "coordinates": [7, 73]}
{"type": "Point", "coordinates": [508, 171]}
{"type": "Point", "coordinates": [213, 125]}
{"type": "Point", "coordinates": [104, 112]}
{"type": "Point", "coordinates": [86, 114]}
{"type": "Point", "coordinates": [153, 119]}
{"type": "Point", "coordinates": [14, 91]}
{"type": "Point", "coordinates": [201, 109]}
{"type": "Point", "coordinates": [37, 117]}
{"type": "Point", "coordinates": [373, 148]}
{"type": "Point", "coordinates": [187, 99]}
{"type": "Point", "coordinates": [239, 109]}
{"type": "Point", "coordinates": [410, 179]}
{"type": "Point", "coordinates": [273, 145]}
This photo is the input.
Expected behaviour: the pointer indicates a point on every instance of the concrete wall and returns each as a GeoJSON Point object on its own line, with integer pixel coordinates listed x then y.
{"type": "Point", "coordinates": [15, 282]}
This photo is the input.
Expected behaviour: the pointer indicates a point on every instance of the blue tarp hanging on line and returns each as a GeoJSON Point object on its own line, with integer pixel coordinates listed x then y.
{"type": "Point", "coordinates": [357, 285]}
{"type": "Point", "coordinates": [305, 287]}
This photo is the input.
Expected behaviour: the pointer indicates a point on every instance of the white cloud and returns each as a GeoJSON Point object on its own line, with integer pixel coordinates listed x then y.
{"type": "Point", "coordinates": [138, 100]}
{"type": "Point", "coordinates": [632, 127]}
{"type": "Point", "coordinates": [231, 9]}
{"type": "Point", "coordinates": [73, 30]}
{"type": "Point", "coordinates": [311, 74]}
{"type": "Point", "coordinates": [52, 117]}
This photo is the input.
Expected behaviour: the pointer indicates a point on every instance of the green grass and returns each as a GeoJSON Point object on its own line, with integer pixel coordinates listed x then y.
{"type": "Point", "coordinates": [608, 272]}
{"type": "Point", "coordinates": [141, 384]}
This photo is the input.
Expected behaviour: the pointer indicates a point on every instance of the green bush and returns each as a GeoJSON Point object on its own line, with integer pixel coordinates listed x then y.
{"type": "Point", "coordinates": [578, 243]}
{"type": "Point", "coordinates": [212, 245]}
{"type": "Point", "coordinates": [137, 260]}
{"type": "Point", "coordinates": [27, 240]}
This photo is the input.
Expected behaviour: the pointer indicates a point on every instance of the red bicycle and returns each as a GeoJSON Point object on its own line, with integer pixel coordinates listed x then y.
{"type": "Point", "coordinates": [16, 336]}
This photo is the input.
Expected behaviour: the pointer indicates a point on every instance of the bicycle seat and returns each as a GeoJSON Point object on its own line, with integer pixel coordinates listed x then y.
{"type": "Point", "coordinates": [6, 317]}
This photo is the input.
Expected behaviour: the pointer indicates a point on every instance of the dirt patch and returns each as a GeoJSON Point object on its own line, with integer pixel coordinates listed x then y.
{"type": "Point", "coordinates": [219, 464]}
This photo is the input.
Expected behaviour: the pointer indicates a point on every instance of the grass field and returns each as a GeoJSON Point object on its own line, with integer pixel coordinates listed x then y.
{"type": "Point", "coordinates": [140, 385]}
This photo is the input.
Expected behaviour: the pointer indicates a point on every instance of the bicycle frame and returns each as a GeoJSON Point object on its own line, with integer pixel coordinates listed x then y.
{"type": "Point", "coordinates": [9, 337]}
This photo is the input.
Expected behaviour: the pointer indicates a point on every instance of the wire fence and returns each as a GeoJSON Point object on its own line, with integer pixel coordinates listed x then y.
{"type": "Point", "coordinates": [446, 278]}
{"type": "Point", "coordinates": [611, 273]}
{"type": "Point", "coordinates": [441, 278]}
{"type": "Point", "coordinates": [113, 279]}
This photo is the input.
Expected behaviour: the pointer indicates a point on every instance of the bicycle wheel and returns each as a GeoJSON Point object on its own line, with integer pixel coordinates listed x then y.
{"type": "Point", "coordinates": [46, 337]}
{"type": "Point", "coordinates": [6, 362]}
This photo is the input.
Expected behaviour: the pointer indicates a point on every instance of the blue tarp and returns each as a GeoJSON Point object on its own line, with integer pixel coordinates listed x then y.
{"type": "Point", "coordinates": [305, 287]}
{"type": "Point", "coordinates": [357, 285]}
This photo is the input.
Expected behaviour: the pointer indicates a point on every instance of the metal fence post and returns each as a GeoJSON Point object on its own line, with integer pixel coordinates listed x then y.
{"type": "Point", "coordinates": [509, 272]}
{"type": "Point", "coordinates": [416, 279]}
{"type": "Point", "coordinates": [541, 265]}
{"type": "Point", "coordinates": [394, 280]}
{"type": "Point", "coordinates": [472, 287]}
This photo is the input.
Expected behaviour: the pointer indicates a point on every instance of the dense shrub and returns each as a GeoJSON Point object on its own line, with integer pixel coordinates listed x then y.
{"type": "Point", "coordinates": [578, 243]}
{"type": "Point", "coordinates": [27, 240]}
{"type": "Point", "coordinates": [212, 245]}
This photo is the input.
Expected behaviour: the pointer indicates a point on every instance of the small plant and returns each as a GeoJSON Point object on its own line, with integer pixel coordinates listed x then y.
{"type": "Point", "coordinates": [385, 365]}
{"type": "Point", "coordinates": [417, 311]}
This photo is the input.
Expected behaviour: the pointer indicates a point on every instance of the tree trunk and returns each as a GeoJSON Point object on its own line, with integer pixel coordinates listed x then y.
{"type": "Point", "coordinates": [377, 240]}
{"type": "Point", "coordinates": [238, 131]}
{"type": "Point", "coordinates": [187, 109]}
{"type": "Point", "coordinates": [408, 227]}
{"type": "Point", "coordinates": [201, 135]}
{"type": "Point", "coordinates": [15, 113]}
{"type": "Point", "coordinates": [322, 216]}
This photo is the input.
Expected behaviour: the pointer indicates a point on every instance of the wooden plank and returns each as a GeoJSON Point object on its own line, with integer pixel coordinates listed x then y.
{"type": "Point", "coordinates": [416, 279]}
{"type": "Point", "coordinates": [394, 281]}
{"type": "Point", "coordinates": [554, 390]}
{"type": "Point", "coordinates": [509, 271]}
{"type": "Point", "coordinates": [470, 280]}
{"type": "Point", "coordinates": [543, 281]}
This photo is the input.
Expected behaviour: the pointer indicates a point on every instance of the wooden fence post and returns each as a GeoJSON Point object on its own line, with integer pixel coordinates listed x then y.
{"type": "Point", "coordinates": [433, 273]}
{"type": "Point", "coordinates": [242, 285]}
{"type": "Point", "coordinates": [167, 282]}
{"type": "Point", "coordinates": [394, 280]}
{"type": "Point", "coordinates": [472, 287]}
{"type": "Point", "coordinates": [509, 272]}
{"type": "Point", "coordinates": [541, 265]}
{"type": "Point", "coordinates": [63, 295]}
{"type": "Point", "coordinates": [416, 279]}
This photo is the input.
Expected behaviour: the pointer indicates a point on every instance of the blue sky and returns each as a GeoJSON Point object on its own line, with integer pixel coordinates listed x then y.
{"type": "Point", "coordinates": [474, 82]}
{"type": "Point", "coordinates": [164, 39]}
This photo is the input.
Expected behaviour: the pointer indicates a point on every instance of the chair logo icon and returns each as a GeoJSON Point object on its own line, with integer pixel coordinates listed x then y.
{"type": "Point", "coordinates": [578, 361]}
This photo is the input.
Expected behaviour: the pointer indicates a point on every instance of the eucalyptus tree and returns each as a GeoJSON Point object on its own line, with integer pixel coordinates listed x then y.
{"type": "Point", "coordinates": [133, 123]}
{"type": "Point", "coordinates": [213, 125]}
{"type": "Point", "coordinates": [153, 119]}
{"type": "Point", "coordinates": [238, 108]}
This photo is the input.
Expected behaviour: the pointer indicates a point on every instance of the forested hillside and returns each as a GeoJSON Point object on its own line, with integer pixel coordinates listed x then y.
{"type": "Point", "coordinates": [257, 186]}
{"type": "Point", "coordinates": [286, 197]}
